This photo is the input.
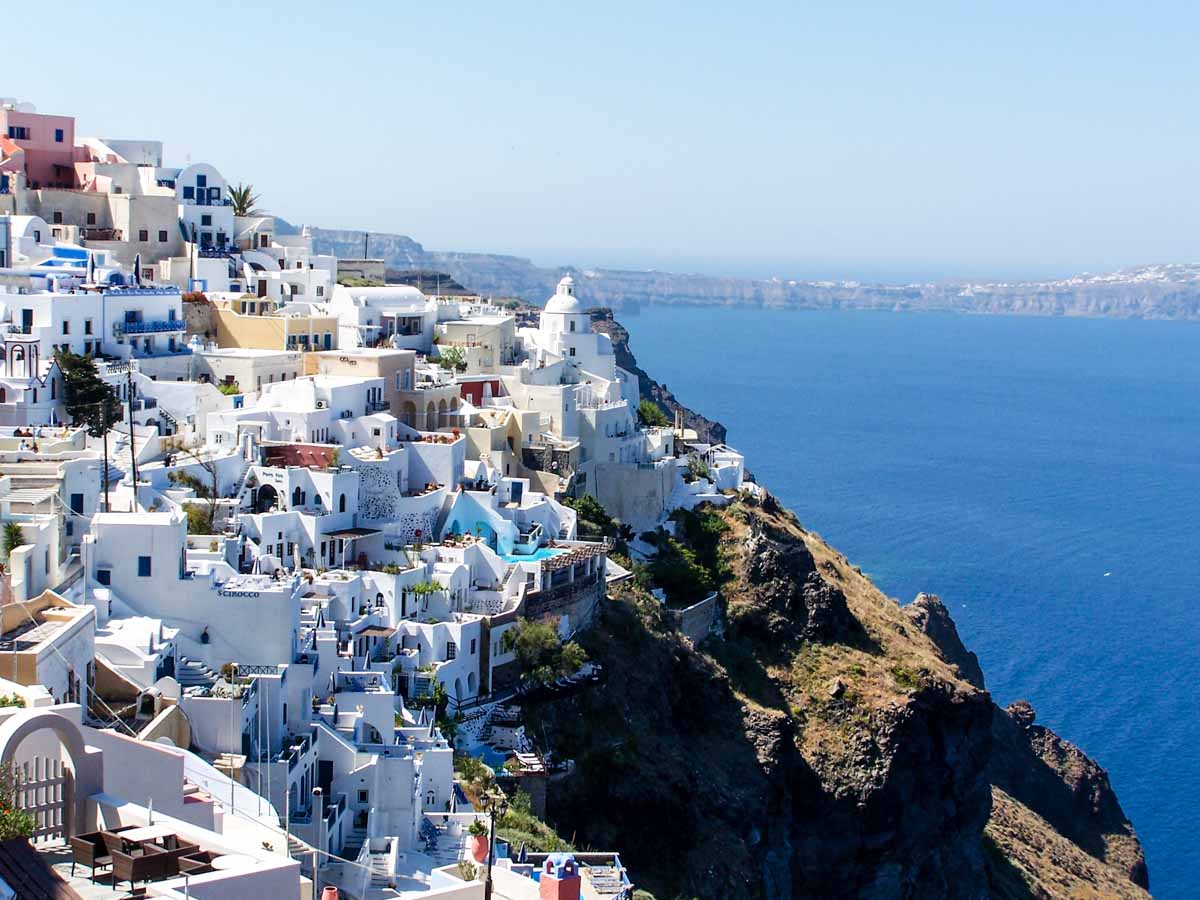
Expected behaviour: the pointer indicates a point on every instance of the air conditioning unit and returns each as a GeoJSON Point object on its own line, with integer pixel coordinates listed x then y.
{"type": "Point", "coordinates": [321, 404]}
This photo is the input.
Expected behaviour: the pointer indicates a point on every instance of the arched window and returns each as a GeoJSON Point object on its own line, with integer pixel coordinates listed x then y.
{"type": "Point", "coordinates": [342, 503]}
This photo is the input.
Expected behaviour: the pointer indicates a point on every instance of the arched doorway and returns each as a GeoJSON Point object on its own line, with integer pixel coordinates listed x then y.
{"type": "Point", "coordinates": [431, 417]}
{"type": "Point", "coordinates": [442, 422]}
{"type": "Point", "coordinates": [69, 789]}
{"type": "Point", "coordinates": [408, 414]}
{"type": "Point", "coordinates": [266, 499]}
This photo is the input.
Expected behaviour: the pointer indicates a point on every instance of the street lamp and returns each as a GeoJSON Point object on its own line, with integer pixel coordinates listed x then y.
{"type": "Point", "coordinates": [495, 803]}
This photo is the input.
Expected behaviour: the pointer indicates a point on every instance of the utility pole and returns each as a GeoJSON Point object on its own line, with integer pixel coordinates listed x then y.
{"type": "Point", "coordinates": [366, 244]}
{"type": "Point", "coordinates": [105, 410]}
{"type": "Point", "coordinates": [132, 455]}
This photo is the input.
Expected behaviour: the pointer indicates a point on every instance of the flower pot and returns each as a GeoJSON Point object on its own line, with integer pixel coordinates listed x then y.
{"type": "Point", "coordinates": [479, 847]}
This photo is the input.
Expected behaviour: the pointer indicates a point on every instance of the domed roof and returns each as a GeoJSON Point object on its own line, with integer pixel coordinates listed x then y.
{"type": "Point", "coordinates": [564, 299]}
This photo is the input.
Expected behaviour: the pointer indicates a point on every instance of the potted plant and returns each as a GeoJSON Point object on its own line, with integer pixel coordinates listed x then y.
{"type": "Point", "coordinates": [479, 840]}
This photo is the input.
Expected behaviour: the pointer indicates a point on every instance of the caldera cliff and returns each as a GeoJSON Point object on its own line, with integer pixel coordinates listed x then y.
{"type": "Point", "coordinates": [824, 741]}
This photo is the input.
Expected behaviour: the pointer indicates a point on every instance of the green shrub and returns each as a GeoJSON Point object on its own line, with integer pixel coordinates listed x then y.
{"type": "Point", "coordinates": [541, 654]}
{"type": "Point", "coordinates": [650, 413]}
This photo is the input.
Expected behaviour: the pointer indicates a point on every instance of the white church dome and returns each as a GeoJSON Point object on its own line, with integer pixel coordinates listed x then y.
{"type": "Point", "coordinates": [564, 299]}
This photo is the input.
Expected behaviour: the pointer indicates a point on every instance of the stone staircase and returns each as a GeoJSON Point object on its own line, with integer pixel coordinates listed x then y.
{"type": "Point", "coordinates": [193, 673]}
{"type": "Point", "coordinates": [353, 844]}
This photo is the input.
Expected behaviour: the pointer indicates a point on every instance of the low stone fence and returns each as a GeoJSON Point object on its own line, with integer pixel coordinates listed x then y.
{"type": "Point", "coordinates": [699, 620]}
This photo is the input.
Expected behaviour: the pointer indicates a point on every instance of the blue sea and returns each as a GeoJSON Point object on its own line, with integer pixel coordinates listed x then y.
{"type": "Point", "coordinates": [1041, 475]}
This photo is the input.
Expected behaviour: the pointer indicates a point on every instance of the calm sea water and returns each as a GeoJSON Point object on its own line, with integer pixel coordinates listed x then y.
{"type": "Point", "coordinates": [1041, 475]}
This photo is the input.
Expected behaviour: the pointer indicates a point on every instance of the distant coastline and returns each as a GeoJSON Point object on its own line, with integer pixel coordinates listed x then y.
{"type": "Point", "coordinates": [1165, 291]}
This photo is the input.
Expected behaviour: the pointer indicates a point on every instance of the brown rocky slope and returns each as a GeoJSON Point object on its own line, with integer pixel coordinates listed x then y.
{"type": "Point", "coordinates": [823, 746]}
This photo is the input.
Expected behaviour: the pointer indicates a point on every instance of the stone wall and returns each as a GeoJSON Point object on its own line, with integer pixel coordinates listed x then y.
{"type": "Point", "coordinates": [198, 318]}
{"type": "Point", "coordinates": [699, 620]}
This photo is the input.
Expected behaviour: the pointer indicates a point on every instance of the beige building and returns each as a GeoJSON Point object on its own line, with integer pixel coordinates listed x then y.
{"type": "Point", "coordinates": [249, 368]}
{"type": "Point", "coordinates": [256, 322]}
{"type": "Point", "coordinates": [486, 341]}
{"type": "Point", "coordinates": [49, 641]}
{"type": "Point", "coordinates": [396, 367]}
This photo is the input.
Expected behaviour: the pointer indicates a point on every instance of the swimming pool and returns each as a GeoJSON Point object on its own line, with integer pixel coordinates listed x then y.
{"type": "Point", "coordinates": [536, 556]}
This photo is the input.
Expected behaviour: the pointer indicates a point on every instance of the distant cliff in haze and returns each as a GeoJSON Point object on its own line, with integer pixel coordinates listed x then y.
{"type": "Point", "coordinates": [1169, 291]}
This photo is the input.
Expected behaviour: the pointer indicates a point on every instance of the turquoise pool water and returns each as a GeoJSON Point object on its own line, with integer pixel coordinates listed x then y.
{"type": "Point", "coordinates": [536, 556]}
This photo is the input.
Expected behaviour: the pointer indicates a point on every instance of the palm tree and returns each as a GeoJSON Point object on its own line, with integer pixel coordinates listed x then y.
{"type": "Point", "coordinates": [244, 198]}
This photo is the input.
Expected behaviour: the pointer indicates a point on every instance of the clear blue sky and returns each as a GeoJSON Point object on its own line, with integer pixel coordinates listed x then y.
{"type": "Point", "coordinates": [879, 139]}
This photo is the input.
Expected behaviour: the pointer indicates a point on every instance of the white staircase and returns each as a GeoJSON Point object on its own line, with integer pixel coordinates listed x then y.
{"type": "Point", "coordinates": [193, 673]}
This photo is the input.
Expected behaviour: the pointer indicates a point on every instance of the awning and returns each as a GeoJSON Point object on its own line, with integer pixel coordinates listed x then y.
{"type": "Point", "coordinates": [349, 534]}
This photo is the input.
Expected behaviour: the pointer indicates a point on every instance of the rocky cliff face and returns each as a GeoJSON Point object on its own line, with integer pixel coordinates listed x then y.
{"type": "Point", "coordinates": [1160, 292]}
{"type": "Point", "coordinates": [824, 746]}
{"type": "Point", "coordinates": [709, 431]}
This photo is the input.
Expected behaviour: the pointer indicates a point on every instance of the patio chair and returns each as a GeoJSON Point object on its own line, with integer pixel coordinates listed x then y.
{"type": "Point", "coordinates": [91, 850]}
{"type": "Point", "coordinates": [170, 848]}
{"type": "Point", "coordinates": [139, 864]}
{"type": "Point", "coordinates": [197, 862]}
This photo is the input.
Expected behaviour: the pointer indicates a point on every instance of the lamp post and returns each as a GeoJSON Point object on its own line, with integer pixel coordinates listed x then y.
{"type": "Point", "coordinates": [495, 804]}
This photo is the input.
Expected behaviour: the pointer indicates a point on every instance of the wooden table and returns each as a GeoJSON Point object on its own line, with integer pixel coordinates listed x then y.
{"type": "Point", "coordinates": [146, 833]}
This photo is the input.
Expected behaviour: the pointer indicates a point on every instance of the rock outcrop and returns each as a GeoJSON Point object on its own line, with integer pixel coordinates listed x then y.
{"type": "Point", "coordinates": [930, 615]}
{"type": "Point", "coordinates": [825, 746]}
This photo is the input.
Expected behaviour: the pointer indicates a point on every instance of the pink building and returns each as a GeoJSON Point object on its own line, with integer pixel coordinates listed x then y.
{"type": "Point", "coordinates": [48, 142]}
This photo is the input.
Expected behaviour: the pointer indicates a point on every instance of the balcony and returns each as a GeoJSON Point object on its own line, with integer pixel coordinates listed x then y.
{"type": "Point", "coordinates": [374, 406]}
{"type": "Point", "coordinates": [153, 327]}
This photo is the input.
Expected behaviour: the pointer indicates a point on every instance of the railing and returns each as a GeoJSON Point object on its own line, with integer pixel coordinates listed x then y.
{"type": "Point", "coordinates": [154, 327]}
{"type": "Point", "coordinates": [377, 406]}
{"type": "Point", "coordinates": [131, 291]}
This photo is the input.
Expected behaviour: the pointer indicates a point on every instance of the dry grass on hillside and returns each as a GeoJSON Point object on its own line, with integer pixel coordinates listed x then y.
{"type": "Point", "coordinates": [1028, 858]}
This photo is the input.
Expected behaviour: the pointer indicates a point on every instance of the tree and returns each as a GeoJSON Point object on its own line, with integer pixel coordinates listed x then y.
{"type": "Point", "coordinates": [541, 654]}
{"type": "Point", "coordinates": [244, 200]}
{"type": "Point", "coordinates": [452, 358]}
{"type": "Point", "coordinates": [14, 537]}
{"type": "Point", "coordinates": [205, 486]}
{"type": "Point", "coordinates": [14, 821]}
{"type": "Point", "coordinates": [88, 399]}
{"type": "Point", "coordinates": [650, 414]}
{"type": "Point", "coordinates": [593, 519]}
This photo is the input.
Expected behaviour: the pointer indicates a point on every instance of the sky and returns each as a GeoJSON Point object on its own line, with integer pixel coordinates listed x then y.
{"type": "Point", "coordinates": [878, 140]}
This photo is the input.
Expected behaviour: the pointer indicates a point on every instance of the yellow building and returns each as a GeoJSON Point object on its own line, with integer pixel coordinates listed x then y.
{"type": "Point", "coordinates": [256, 323]}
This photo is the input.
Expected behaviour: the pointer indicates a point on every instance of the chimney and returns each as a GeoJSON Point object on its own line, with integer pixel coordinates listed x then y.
{"type": "Point", "coordinates": [560, 878]}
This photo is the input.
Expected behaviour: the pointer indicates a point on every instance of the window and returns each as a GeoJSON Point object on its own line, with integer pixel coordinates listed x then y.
{"type": "Point", "coordinates": [58, 217]}
{"type": "Point", "coordinates": [143, 567]}
{"type": "Point", "coordinates": [104, 576]}
{"type": "Point", "coordinates": [472, 646]}
{"type": "Point", "coordinates": [189, 193]}
{"type": "Point", "coordinates": [91, 218]}
{"type": "Point", "coordinates": [342, 503]}
{"type": "Point", "coordinates": [18, 132]}
{"type": "Point", "coordinates": [201, 181]}
{"type": "Point", "coordinates": [37, 236]}
{"type": "Point", "coordinates": [162, 237]}
{"type": "Point", "coordinates": [58, 135]}
{"type": "Point", "coordinates": [205, 220]}
{"type": "Point", "coordinates": [143, 235]}
{"type": "Point", "coordinates": [87, 326]}
{"type": "Point", "coordinates": [320, 291]}
{"type": "Point", "coordinates": [572, 325]}
{"type": "Point", "coordinates": [572, 351]}
{"type": "Point", "coordinates": [66, 326]}
{"type": "Point", "coordinates": [363, 796]}
{"type": "Point", "coordinates": [451, 650]}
